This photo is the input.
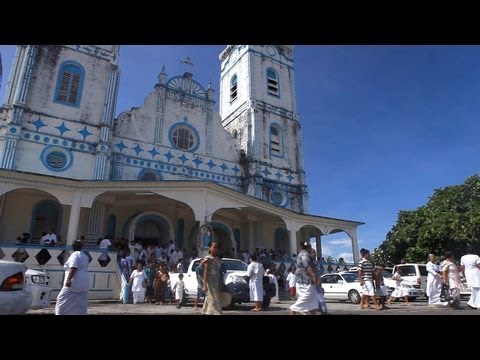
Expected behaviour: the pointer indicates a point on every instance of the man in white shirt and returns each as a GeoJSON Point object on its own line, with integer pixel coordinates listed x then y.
{"type": "Point", "coordinates": [51, 238]}
{"type": "Point", "coordinates": [105, 243]}
{"type": "Point", "coordinates": [471, 269]}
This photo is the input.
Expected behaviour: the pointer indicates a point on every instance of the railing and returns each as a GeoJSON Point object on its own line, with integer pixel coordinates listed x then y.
{"type": "Point", "coordinates": [104, 274]}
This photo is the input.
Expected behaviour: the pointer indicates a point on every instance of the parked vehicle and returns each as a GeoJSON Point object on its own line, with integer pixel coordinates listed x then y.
{"type": "Point", "coordinates": [416, 273]}
{"type": "Point", "coordinates": [235, 279]}
{"type": "Point", "coordinates": [14, 298]}
{"type": "Point", "coordinates": [342, 286]}
{"type": "Point", "coordinates": [37, 283]}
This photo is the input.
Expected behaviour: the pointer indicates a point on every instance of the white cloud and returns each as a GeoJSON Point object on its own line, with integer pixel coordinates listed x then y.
{"type": "Point", "coordinates": [341, 242]}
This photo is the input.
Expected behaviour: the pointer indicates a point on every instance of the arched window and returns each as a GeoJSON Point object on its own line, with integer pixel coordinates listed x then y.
{"type": "Point", "coordinates": [233, 88]}
{"type": "Point", "coordinates": [46, 215]}
{"type": "Point", "coordinates": [273, 87]}
{"type": "Point", "coordinates": [276, 143]}
{"type": "Point", "coordinates": [148, 176]}
{"type": "Point", "coordinates": [69, 84]}
{"type": "Point", "coordinates": [281, 240]}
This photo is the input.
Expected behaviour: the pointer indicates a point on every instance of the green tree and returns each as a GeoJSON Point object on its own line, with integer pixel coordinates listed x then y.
{"type": "Point", "coordinates": [449, 221]}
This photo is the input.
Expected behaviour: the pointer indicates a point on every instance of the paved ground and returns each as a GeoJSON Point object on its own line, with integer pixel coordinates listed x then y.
{"type": "Point", "coordinates": [335, 308]}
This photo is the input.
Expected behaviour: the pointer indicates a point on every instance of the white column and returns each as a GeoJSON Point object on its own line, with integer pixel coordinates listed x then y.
{"type": "Point", "coordinates": [353, 236]}
{"type": "Point", "coordinates": [74, 219]}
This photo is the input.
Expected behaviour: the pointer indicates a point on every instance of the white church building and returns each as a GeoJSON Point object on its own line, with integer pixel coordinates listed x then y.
{"type": "Point", "coordinates": [158, 172]}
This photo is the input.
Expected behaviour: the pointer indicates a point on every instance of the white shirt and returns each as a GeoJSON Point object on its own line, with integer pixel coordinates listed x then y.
{"type": "Point", "coordinates": [105, 243]}
{"type": "Point", "coordinates": [80, 281]}
{"type": "Point", "coordinates": [291, 279]}
{"type": "Point", "coordinates": [138, 277]}
{"type": "Point", "coordinates": [51, 239]}
{"type": "Point", "coordinates": [472, 272]}
{"type": "Point", "coordinates": [255, 271]}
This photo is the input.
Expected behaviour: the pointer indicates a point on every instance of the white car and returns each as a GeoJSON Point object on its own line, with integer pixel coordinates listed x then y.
{"type": "Point", "coordinates": [14, 299]}
{"type": "Point", "coordinates": [37, 283]}
{"type": "Point", "coordinates": [342, 286]}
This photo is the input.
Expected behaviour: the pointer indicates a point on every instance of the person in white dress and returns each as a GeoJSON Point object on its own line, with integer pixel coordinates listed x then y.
{"type": "Point", "coordinates": [137, 281]}
{"type": "Point", "coordinates": [178, 290]}
{"type": "Point", "coordinates": [434, 282]}
{"type": "Point", "coordinates": [398, 292]}
{"type": "Point", "coordinates": [273, 280]}
{"type": "Point", "coordinates": [451, 277]}
{"type": "Point", "coordinates": [255, 272]}
{"type": "Point", "coordinates": [73, 298]}
{"type": "Point", "coordinates": [471, 268]}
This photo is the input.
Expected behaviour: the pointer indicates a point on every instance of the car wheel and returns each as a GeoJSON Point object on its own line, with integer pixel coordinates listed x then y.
{"type": "Point", "coordinates": [266, 302]}
{"type": "Point", "coordinates": [354, 296]}
{"type": "Point", "coordinates": [411, 298]}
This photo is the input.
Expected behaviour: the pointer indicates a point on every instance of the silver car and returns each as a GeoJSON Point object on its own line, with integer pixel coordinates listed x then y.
{"type": "Point", "coordinates": [14, 299]}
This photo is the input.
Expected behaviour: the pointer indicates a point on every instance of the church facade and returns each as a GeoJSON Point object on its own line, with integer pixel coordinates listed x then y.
{"type": "Point", "coordinates": [160, 171]}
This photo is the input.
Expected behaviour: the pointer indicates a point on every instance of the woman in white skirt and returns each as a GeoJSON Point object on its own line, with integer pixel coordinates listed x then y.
{"type": "Point", "coordinates": [398, 292]}
{"type": "Point", "coordinates": [306, 283]}
{"type": "Point", "coordinates": [434, 282]}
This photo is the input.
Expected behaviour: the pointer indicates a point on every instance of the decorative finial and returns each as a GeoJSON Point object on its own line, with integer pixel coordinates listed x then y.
{"type": "Point", "coordinates": [162, 77]}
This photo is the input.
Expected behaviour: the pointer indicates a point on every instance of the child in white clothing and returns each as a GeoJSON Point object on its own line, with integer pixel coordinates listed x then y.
{"type": "Point", "coordinates": [178, 290]}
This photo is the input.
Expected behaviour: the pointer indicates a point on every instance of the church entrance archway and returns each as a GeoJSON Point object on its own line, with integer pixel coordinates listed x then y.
{"type": "Point", "coordinates": [150, 228]}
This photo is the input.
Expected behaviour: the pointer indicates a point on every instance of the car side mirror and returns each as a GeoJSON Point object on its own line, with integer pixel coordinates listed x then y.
{"type": "Point", "coordinates": [340, 282]}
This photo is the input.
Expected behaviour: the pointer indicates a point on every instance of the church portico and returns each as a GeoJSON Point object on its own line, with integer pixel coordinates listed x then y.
{"type": "Point", "coordinates": [172, 169]}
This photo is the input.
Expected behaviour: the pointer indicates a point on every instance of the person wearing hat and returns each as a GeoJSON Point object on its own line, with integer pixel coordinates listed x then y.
{"type": "Point", "coordinates": [73, 298]}
{"type": "Point", "coordinates": [306, 283]}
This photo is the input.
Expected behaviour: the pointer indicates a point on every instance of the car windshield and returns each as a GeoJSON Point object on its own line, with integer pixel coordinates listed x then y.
{"type": "Point", "coordinates": [386, 274]}
{"type": "Point", "coordinates": [423, 270]}
{"type": "Point", "coordinates": [352, 277]}
{"type": "Point", "coordinates": [235, 265]}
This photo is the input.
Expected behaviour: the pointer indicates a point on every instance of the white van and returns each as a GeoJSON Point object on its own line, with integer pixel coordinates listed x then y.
{"type": "Point", "coordinates": [416, 273]}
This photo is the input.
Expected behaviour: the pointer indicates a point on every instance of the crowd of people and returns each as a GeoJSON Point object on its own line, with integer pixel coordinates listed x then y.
{"type": "Point", "coordinates": [443, 281]}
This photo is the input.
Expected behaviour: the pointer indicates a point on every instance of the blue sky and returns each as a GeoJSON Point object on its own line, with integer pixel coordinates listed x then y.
{"type": "Point", "coordinates": [382, 125]}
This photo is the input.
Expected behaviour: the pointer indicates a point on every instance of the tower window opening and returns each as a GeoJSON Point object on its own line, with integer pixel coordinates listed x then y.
{"type": "Point", "coordinates": [233, 88]}
{"type": "Point", "coordinates": [272, 83]}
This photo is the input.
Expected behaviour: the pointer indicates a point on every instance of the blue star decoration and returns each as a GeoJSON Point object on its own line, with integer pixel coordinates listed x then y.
{"type": "Point", "coordinates": [266, 172]}
{"type": "Point", "coordinates": [197, 161]}
{"type": "Point", "coordinates": [290, 177]}
{"type": "Point", "coordinates": [85, 133]}
{"type": "Point", "coordinates": [278, 175]}
{"type": "Point", "coordinates": [183, 159]}
{"type": "Point", "coordinates": [223, 167]}
{"type": "Point", "coordinates": [153, 152]}
{"type": "Point", "coordinates": [38, 124]}
{"type": "Point", "coordinates": [169, 155]}
{"type": "Point", "coordinates": [121, 146]}
{"type": "Point", "coordinates": [211, 164]}
{"type": "Point", "coordinates": [235, 168]}
{"type": "Point", "coordinates": [62, 128]}
{"type": "Point", "coordinates": [137, 149]}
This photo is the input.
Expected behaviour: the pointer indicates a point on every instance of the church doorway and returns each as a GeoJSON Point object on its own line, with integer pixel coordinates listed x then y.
{"type": "Point", "coordinates": [150, 229]}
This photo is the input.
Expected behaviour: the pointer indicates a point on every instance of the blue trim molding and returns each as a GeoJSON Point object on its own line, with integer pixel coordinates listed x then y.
{"type": "Point", "coordinates": [72, 67]}
{"type": "Point", "coordinates": [63, 156]}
